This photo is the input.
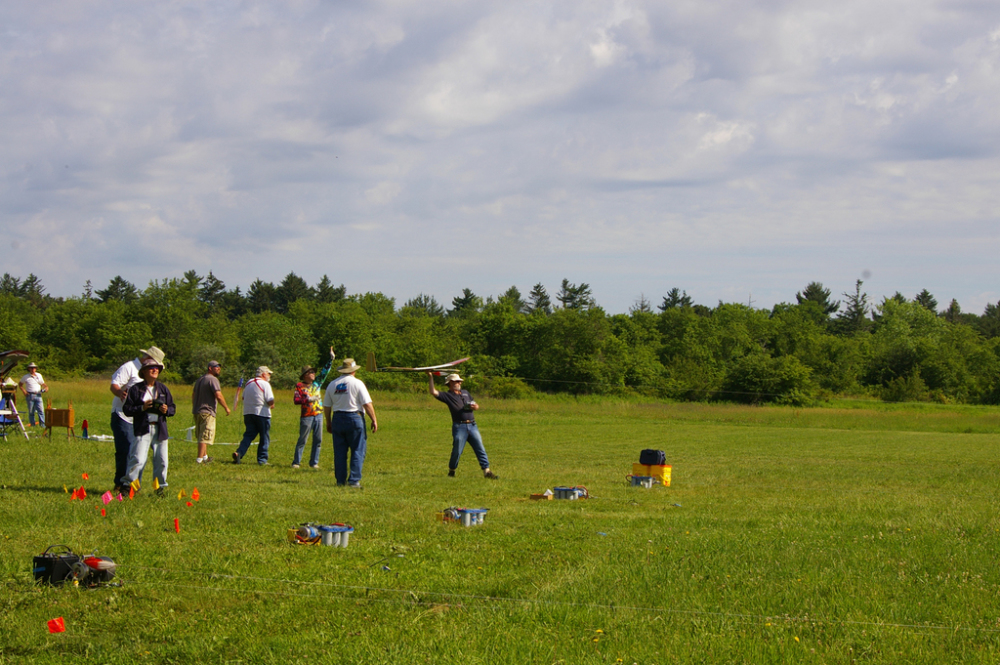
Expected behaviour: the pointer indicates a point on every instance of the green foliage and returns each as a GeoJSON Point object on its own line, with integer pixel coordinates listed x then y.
{"type": "Point", "coordinates": [757, 378]}
{"type": "Point", "coordinates": [272, 340]}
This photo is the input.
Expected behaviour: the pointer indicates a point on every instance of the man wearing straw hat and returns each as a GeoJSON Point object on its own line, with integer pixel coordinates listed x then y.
{"type": "Point", "coordinates": [344, 406]}
{"type": "Point", "coordinates": [463, 423]}
{"type": "Point", "coordinates": [33, 385]}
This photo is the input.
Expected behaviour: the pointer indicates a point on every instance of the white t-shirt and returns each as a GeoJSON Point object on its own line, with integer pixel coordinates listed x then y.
{"type": "Point", "coordinates": [256, 396]}
{"type": "Point", "coordinates": [348, 393]}
{"type": "Point", "coordinates": [125, 377]}
{"type": "Point", "coordinates": [33, 382]}
{"type": "Point", "coordinates": [152, 417]}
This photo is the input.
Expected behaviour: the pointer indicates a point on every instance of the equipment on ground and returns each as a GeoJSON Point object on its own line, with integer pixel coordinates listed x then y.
{"type": "Point", "coordinates": [59, 564]}
{"type": "Point", "coordinates": [652, 457]}
{"type": "Point", "coordinates": [10, 419]}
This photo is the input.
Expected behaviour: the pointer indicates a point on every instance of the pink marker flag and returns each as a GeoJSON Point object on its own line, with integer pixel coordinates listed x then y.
{"type": "Point", "coordinates": [56, 625]}
{"type": "Point", "coordinates": [107, 497]}
{"type": "Point", "coordinates": [120, 497]}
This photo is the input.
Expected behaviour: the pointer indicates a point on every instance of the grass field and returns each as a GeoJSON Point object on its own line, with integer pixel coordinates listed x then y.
{"type": "Point", "coordinates": [858, 532]}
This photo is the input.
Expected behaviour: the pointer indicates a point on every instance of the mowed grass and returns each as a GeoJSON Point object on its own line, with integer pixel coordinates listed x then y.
{"type": "Point", "coordinates": [855, 533]}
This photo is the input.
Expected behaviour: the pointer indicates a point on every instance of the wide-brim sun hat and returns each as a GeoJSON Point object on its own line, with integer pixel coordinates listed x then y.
{"type": "Point", "coordinates": [151, 362]}
{"type": "Point", "coordinates": [306, 370]}
{"type": "Point", "coordinates": [349, 366]}
{"type": "Point", "coordinates": [32, 366]}
{"type": "Point", "coordinates": [453, 378]}
{"type": "Point", "coordinates": [155, 353]}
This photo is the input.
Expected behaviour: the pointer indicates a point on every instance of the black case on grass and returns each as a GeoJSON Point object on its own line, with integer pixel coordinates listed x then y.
{"type": "Point", "coordinates": [55, 567]}
{"type": "Point", "coordinates": [652, 457]}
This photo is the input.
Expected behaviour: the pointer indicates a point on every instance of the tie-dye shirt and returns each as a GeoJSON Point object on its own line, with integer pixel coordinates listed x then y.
{"type": "Point", "coordinates": [309, 398]}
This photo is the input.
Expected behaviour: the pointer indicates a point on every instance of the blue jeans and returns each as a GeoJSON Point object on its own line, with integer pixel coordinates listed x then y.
{"type": "Point", "coordinates": [308, 424]}
{"type": "Point", "coordinates": [462, 432]}
{"type": "Point", "coordinates": [35, 406]}
{"type": "Point", "coordinates": [124, 438]}
{"type": "Point", "coordinates": [255, 425]}
{"type": "Point", "coordinates": [140, 453]}
{"type": "Point", "coordinates": [348, 430]}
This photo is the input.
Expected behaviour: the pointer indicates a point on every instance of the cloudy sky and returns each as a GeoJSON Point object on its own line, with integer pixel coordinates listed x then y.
{"type": "Point", "coordinates": [735, 149]}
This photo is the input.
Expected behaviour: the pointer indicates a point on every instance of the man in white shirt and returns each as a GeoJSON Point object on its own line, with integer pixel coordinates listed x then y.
{"type": "Point", "coordinates": [33, 385]}
{"type": "Point", "coordinates": [346, 399]}
{"type": "Point", "coordinates": [258, 400]}
{"type": "Point", "coordinates": [124, 378]}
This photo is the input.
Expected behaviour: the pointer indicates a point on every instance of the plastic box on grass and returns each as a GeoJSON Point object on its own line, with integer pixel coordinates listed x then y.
{"type": "Point", "coordinates": [659, 472]}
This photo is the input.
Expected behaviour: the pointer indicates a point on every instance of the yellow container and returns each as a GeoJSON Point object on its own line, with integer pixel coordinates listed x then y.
{"type": "Point", "coordinates": [660, 472]}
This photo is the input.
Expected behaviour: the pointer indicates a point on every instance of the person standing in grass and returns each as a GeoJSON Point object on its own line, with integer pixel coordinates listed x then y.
{"type": "Point", "coordinates": [33, 385]}
{"type": "Point", "coordinates": [124, 378]}
{"type": "Point", "coordinates": [463, 423]}
{"type": "Point", "coordinates": [308, 397]}
{"type": "Point", "coordinates": [344, 406]}
{"type": "Point", "coordinates": [149, 404]}
{"type": "Point", "coordinates": [206, 394]}
{"type": "Point", "coordinates": [258, 400]}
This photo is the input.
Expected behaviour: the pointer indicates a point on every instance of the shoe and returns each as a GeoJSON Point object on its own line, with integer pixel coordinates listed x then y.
{"type": "Point", "coordinates": [161, 492]}
{"type": "Point", "coordinates": [263, 464]}
{"type": "Point", "coordinates": [295, 466]}
{"type": "Point", "coordinates": [236, 457]}
{"type": "Point", "coordinates": [451, 473]}
{"type": "Point", "coordinates": [117, 490]}
{"type": "Point", "coordinates": [208, 460]}
{"type": "Point", "coordinates": [489, 474]}
{"type": "Point", "coordinates": [314, 466]}
{"type": "Point", "coordinates": [356, 485]}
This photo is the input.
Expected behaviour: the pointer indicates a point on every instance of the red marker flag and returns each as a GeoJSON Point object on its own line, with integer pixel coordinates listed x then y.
{"type": "Point", "coordinates": [74, 496]}
{"type": "Point", "coordinates": [56, 625]}
{"type": "Point", "coordinates": [85, 476]}
{"type": "Point", "coordinates": [190, 504]}
{"type": "Point", "coordinates": [131, 492]}
{"type": "Point", "coordinates": [195, 495]}
{"type": "Point", "coordinates": [103, 513]}
{"type": "Point", "coordinates": [83, 493]}
{"type": "Point", "coordinates": [177, 525]}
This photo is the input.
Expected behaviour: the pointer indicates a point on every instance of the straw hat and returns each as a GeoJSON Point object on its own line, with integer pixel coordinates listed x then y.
{"type": "Point", "coordinates": [153, 352]}
{"type": "Point", "coordinates": [453, 378]}
{"type": "Point", "coordinates": [349, 366]}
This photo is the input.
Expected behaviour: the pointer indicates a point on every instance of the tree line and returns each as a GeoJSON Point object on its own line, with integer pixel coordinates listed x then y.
{"type": "Point", "coordinates": [900, 349]}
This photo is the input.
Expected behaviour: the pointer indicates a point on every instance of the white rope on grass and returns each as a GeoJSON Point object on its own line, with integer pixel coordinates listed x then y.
{"type": "Point", "coordinates": [416, 594]}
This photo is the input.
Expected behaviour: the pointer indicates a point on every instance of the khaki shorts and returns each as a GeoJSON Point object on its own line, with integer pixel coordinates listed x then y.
{"type": "Point", "coordinates": [204, 428]}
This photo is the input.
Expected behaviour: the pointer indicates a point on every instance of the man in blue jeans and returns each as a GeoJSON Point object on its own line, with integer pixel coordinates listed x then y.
{"type": "Point", "coordinates": [124, 378]}
{"type": "Point", "coordinates": [463, 423]}
{"type": "Point", "coordinates": [344, 404]}
{"type": "Point", "coordinates": [308, 397]}
{"type": "Point", "coordinates": [258, 400]}
{"type": "Point", "coordinates": [33, 385]}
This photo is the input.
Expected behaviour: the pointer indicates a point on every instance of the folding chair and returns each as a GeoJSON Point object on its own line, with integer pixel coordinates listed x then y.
{"type": "Point", "coordinates": [10, 419]}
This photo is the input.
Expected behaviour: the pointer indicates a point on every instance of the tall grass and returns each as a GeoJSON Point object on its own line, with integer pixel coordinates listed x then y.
{"type": "Point", "coordinates": [842, 534]}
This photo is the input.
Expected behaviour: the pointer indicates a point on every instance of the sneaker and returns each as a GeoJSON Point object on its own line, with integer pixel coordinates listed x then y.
{"type": "Point", "coordinates": [161, 492]}
{"type": "Point", "coordinates": [295, 466]}
{"type": "Point", "coordinates": [314, 466]}
{"type": "Point", "coordinates": [263, 464]}
{"type": "Point", "coordinates": [355, 485]}
{"type": "Point", "coordinates": [117, 490]}
{"type": "Point", "coordinates": [236, 457]}
{"type": "Point", "coordinates": [489, 474]}
{"type": "Point", "coordinates": [208, 460]}
{"type": "Point", "coordinates": [451, 473]}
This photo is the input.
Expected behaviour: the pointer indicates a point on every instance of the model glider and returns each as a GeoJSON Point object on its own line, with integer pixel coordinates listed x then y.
{"type": "Point", "coordinates": [436, 370]}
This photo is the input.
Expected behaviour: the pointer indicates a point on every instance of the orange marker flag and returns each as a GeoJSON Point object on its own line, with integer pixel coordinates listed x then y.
{"type": "Point", "coordinates": [131, 492]}
{"type": "Point", "coordinates": [177, 525]}
{"type": "Point", "coordinates": [194, 494]}
{"type": "Point", "coordinates": [75, 496]}
{"type": "Point", "coordinates": [56, 625]}
{"type": "Point", "coordinates": [85, 476]}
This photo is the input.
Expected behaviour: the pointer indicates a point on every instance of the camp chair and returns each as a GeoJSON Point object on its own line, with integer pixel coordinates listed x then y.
{"type": "Point", "coordinates": [10, 420]}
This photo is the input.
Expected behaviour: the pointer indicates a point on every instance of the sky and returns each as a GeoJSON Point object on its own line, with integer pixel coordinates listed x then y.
{"type": "Point", "coordinates": [737, 150]}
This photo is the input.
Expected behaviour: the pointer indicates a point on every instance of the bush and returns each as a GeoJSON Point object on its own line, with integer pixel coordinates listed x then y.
{"type": "Point", "coordinates": [757, 378]}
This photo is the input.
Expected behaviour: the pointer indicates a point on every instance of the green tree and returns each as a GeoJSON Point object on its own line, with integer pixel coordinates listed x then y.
{"type": "Point", "coordinates": [674, 299]}
{"type": "Point", "coordinates": [467, 304]}
{"type": "Point", "coordinates": [512, 297]}
{"type": "Point", "coordinates": [423, 305]}
{"type": "Point", "coordinates": [575, 296]}
{"type": "Point", "coordinates": [261, 297]}
{"type": "Point", "coordinates": [854, 318]}
{"type": "Point", "coordinates": [212, 291]}
{"type": "Point", "coordinates": [538, 300]}
{"type": "Point", "coordinates": [118, 289]}
{"type": "Point", "coordinates": [925, 299]}
{"type": "Point", "coordinates": [292, 288]}
{"type": "Point", "coordinates": [327, 292]}
{"type": "Point", "coordinates": [814, 292]}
